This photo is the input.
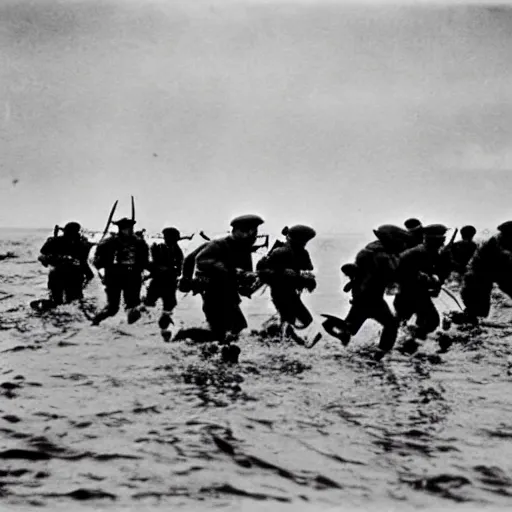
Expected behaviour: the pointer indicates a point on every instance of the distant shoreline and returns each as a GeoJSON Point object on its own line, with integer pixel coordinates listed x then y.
{"type": "Point", "coordinates": [482, 234]}
{"type": "Point", "coordinates": [50, 229]}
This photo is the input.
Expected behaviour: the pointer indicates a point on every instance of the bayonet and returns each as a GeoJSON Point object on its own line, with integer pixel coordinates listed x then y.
{"type": "Point", "coordinates": [109, 221]}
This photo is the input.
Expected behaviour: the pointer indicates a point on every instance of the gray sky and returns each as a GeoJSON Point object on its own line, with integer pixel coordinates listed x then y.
{"type": "Point", "coordinates": [341, 116]}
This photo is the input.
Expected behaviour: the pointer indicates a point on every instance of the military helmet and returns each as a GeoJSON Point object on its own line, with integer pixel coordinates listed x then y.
{"type": "Point", "coordinates": [467, 231]}
{"type": "Point", "coordinates": [171, 232]}
{"type": "Point", "coordinates": [413, 224]}
{"type": "Point", "coordinates": [72, 227]}
{"type": "Point", "coordinates": [435, 231]}
{"type": "Point", "coordinates": [301, 232]}
{"type": "Point", "coordinates": [389, 233]}
{"type": "Point", "coordinates": [505, 227]}
{"type": "Point", "coordinates": [124, 223]}
{"type": "Point", "coordinates": [247, 221]}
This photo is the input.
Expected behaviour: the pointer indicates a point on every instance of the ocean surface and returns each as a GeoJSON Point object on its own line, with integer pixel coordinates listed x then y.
{"type": "Point", "coordinates": [113, 418]}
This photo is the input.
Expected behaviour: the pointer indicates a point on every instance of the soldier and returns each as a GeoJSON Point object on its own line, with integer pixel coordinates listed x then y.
{"type": "Point", "coordinates": [165, 268]}
{"type": "Point", "coordinates": [220, 267]}
{"type": "Point", "coordinates": [67, 256]}
{"type": "Point", "coordinates": [421, 272]}
{"type": "Point", "coordinates": [462, 251]}
{"type": "Point", "coordinates": [491, 263]}
{"type": "Point", "coordinates": [371, 274]}
{"type": "Point", "coordinates": [287, 269]}
{"type": "Point", "coordinates": [124, 257]}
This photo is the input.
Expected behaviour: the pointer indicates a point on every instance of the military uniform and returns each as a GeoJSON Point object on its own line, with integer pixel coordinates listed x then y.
{"type": "Point", "coordinates": [420, 273]}
{"type": "Point", "coordinates": [218, 265]}
{"type": "Point", "coordinates": [373, 272]}
{"type": "Point", "coordinates": [165, 267]}
{"type": "Point", "coordinates": [462, 251]}
{"type": "Point", "coordinates": [124, 258]}
{"type": "Point", "coordinates": [67, 255]}
{"type": "Point", "coordinates": [286, 270]}
{"type": "Point", "coordinates": [186, 283]}
{"type": "Point", "coordinates": [491, 263]}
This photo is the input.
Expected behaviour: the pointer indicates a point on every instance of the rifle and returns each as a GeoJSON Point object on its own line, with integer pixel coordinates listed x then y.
{"type": "Point", "coordinates": [105, 231]}
{"type": "Point", "coordinates": [452, 296]}
{"type": "Point", "coordinates": [452, 239]}
{"type": "Point", "coordinates": [109, 221]}
{"type": "Point", "coordinates": [263, 245]}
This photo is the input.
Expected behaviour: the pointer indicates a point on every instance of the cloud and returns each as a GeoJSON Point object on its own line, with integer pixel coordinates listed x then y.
{"type": "Point", "coordinates": [336, 115]}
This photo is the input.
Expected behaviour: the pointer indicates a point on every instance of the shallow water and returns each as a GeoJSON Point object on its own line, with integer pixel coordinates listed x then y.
{"type": "Point", "coordinates": [111, 417]}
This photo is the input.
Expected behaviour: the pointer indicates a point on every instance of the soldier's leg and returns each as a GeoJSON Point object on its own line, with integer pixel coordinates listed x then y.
{"type": "Point", "coordinates": [214, 313]}
{"type": "Point", "coordinates": [404, 304]}
{"type": "Point", "coordinates": [222, 311]}
{"type": "Point", "coordinates": [356, 317]}
{"type": "Point", "coordinates": [382, 314]}
{"type": "Point", "coordinates": [74, 286]}
{"type": "Point", "coordinates": [168, 295]}
{"type": "Point", "coordinates": [113, 286]}
{"type": "Point", "coordinates": [152, 293]}
{"type": "Point", "coordinates": [279, 299]}
{"type": "Point", "coordinates": [290, 306]}
{"type": "Point", "coordinates": [476, 294]}
{"type": "Point", "coordinates": [56, 285]}
{"type": "Point", "coordinates": [427, 317]}
{"type": "Point", "coordinates": [132, 286]}
{"type": "Point", "coordinates": [302, 313]}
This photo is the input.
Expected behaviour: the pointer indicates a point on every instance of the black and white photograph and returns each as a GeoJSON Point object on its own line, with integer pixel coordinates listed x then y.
{"type": "Point", "coordinates": [255, 255]}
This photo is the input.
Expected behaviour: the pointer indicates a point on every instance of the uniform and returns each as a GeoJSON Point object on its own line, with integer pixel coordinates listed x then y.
{"type": "Point", "coordinates": [286, 269]}
{"type": "Point", "coordinates": [218, 265]}
{"type": "Point", "coordinates": [491, 263]}
{"type": "Point", "coordinates": [462, 251]}
{"type": "Point", "coordinates": [420, 273]}
{"type": "Point", "coordinates": [67, 255]}
{"type": "Point", "coordinates": [124, 258]}
{"type": "Point", "coordinates": [373, 272]}
{"type": "Point", "coordinates": [165, 267]}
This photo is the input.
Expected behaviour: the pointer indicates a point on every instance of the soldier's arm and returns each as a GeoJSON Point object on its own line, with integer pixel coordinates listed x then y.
{"type": "Point", "coordinates": [179, 261]}
{"type": "Point", "coordinates": [189, 262]}
{"type": "Point", "coordinates": [47, 252]}
{"type": "Point", "coordinates": [446, 265]}
{"type": "Point", "coordinates": [210, 259]}
{"type": "Point", "coordinates": [102, 250]}
{"type": "Point", "coordinates": [483, 257]}
{"type": "Point", "coordinates": [272, 264]}
{"type": "Point", "coordinates": [47, 247]}
{"type": "Point", "coordinates": [144, 254]}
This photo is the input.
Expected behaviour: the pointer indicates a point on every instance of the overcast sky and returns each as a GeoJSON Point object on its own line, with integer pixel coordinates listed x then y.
{"type": "Point", "coordinates": [344, 117]}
